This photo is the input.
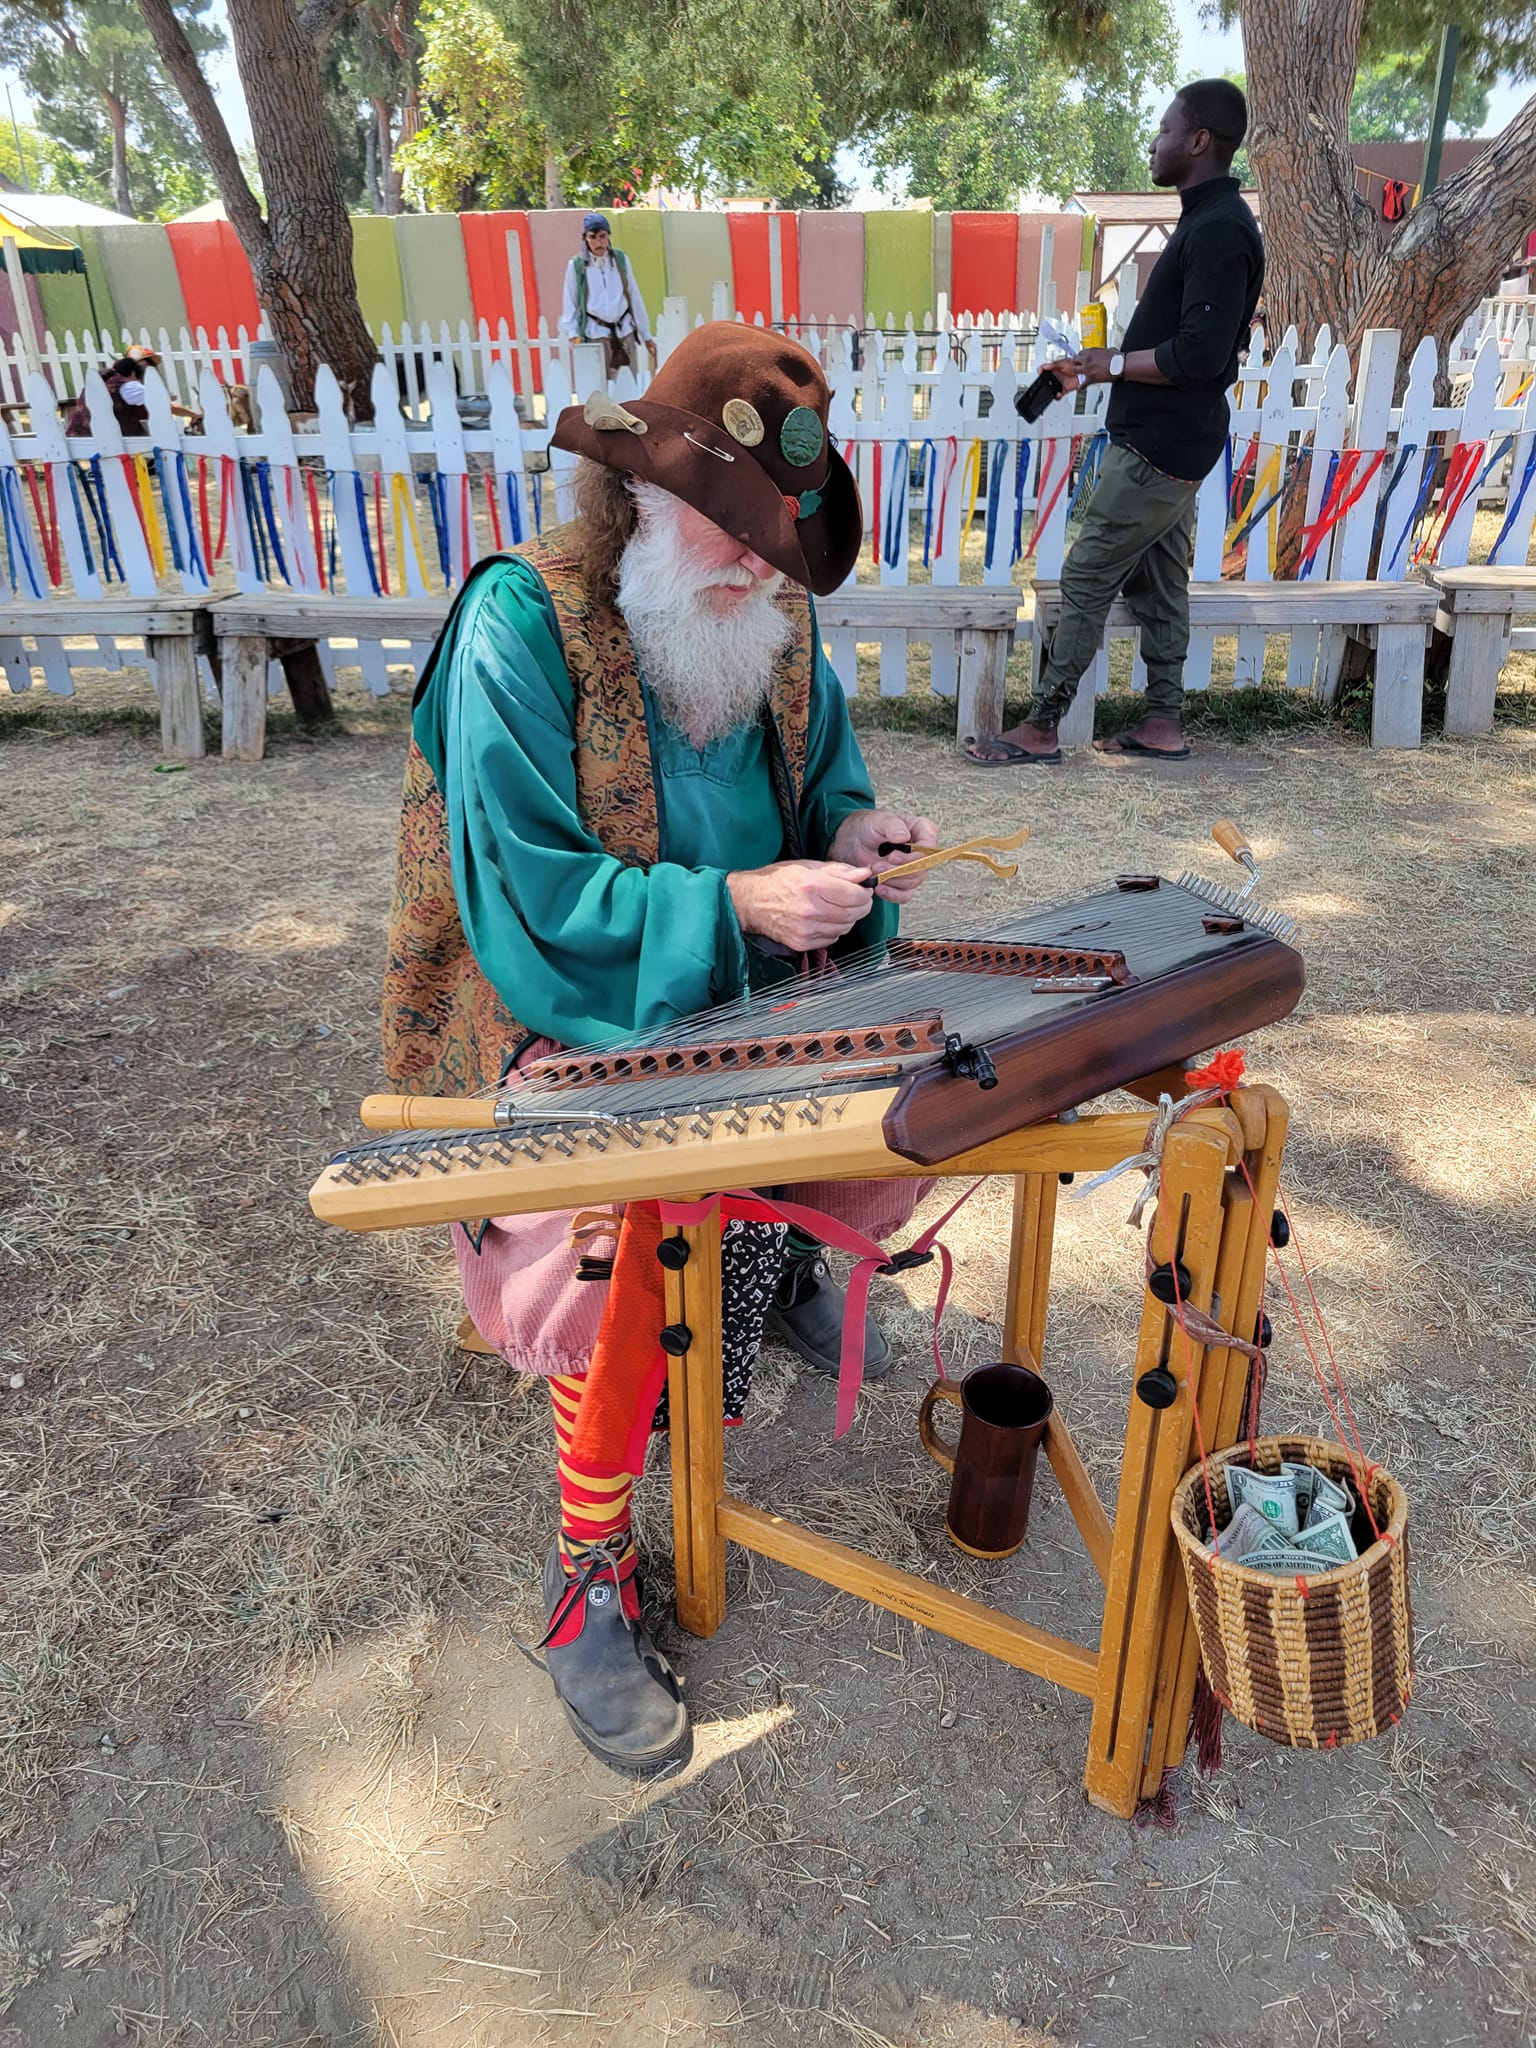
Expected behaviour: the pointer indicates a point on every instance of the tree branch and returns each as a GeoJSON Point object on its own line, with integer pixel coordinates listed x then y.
{"type": "Point", "coordinates": [320, 19]}
{"type": "Point", "coordinates": [180, 61]}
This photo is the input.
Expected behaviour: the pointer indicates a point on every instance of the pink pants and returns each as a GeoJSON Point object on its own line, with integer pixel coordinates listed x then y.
{"type": "Point", "coordinates": [521, 1289]}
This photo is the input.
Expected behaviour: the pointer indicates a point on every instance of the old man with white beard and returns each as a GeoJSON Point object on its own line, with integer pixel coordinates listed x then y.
{"type": "Point", "coordinates": [634, 793]}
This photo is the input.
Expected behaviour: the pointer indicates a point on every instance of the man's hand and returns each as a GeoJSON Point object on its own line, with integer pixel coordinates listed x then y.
{"type": "Point", "coordinates": [803, 904]}
{"type": "Point", "coordinates": [862, 834]}
{"type": "Point", "coordinates": [650, 349]}
{"type": "Point", "coordinates": [1090, 365]}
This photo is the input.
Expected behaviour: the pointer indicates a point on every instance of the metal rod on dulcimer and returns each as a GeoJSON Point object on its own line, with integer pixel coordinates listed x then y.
{"type": "Point", "coordinates": [1233, 840]}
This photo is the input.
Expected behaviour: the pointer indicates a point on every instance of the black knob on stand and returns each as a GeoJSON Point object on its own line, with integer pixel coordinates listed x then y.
{"type": "Point", "coordinates": [1158, 1388]}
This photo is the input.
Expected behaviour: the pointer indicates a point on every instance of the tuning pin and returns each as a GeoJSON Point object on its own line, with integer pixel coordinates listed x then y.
{"type": "Point", "coordinates": [1280, 1230]}
{"type": "Point", "coordinates": [1158, 1388]}
{"type": "Point", "coordinates": [1160, 1284]}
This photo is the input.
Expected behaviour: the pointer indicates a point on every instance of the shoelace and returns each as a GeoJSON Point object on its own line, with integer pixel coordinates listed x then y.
{"type": "Point", "coordinates": [595, 1560]}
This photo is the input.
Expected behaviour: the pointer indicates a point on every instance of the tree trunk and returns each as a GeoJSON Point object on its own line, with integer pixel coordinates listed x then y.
{"type": "Point", "coordinates": [389, 177]}
{"type": "Point", "coordinates": [371, 166]}
{"type": "Point", "coordinates": [117, 115]}
{"type": "Point", "coordinates": [554, 182]}
{"type": "Point", "coordinates": [301, 254]}
{"type": "Point", "coordinates": [1330, 257]}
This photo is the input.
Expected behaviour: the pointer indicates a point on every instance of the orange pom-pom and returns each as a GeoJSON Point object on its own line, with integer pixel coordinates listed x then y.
{"type": "Point", "coordinates": [1224, 1071]}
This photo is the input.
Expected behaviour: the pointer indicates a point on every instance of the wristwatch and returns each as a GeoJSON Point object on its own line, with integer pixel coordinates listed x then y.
{"type": "Point", "coordinates": [1116, 365]}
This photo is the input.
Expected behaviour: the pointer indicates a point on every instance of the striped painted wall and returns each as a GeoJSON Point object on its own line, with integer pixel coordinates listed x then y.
{"type": "Point", "coordinates": [813, 266]}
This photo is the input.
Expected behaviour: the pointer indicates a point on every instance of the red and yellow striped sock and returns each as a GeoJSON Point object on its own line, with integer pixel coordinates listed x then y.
{"type": "Point", "coordinates": [593, 1504]}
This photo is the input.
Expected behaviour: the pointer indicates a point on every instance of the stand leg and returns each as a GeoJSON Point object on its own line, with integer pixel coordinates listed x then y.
{"type": "Point", "coordinates": [1029, 1267]}
{"type": "Point", "coordinates": [1246, 1224]}
{"type": "Point", "coordinates": [1131, 1648]}
{"type": "Point", "coordinates": [696, 1397]}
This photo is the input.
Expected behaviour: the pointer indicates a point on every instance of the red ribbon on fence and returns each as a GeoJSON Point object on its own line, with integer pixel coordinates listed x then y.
{"type": "Point", "coordinates": [1044, 506]}
{"type": "Point", "coordinates": [378, 523]}
{"type": "Point", "coordinates": [1337, 506]}
{"type": "Point", "coordinates": [47, 526]}
{"type": "Point", "coordinates": [316, 524]}
{"type": "Point", "coordinates": [466, 521]}
{"type": "Point", "coordinates": [951, 464]}
{"type": "Point", "coordinates": [493, 509]}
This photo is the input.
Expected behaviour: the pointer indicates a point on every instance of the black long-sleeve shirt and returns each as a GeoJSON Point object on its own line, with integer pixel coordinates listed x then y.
{"type": "Point", "coordinates": [1194, 315]}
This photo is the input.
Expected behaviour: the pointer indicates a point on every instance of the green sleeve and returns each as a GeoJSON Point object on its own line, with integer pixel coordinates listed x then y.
{"type": "Point", "coordinates": [837, 782]}
{"type": "Point", "coordinates": [579, 946]}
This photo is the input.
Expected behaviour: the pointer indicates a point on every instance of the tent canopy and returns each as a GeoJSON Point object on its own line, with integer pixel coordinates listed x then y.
{"type": "Point", "coordinates": [39, 250]}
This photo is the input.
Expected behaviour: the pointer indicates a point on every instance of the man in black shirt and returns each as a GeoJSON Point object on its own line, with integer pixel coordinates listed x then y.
{"type": "Point", "coordinates": [1167, 423]}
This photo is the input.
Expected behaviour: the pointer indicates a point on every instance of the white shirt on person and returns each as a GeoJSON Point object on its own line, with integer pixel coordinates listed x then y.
{"type": "Point", "coordinates": [605, 300]}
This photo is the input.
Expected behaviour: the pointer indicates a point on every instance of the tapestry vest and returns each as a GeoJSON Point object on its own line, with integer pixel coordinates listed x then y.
{"type": "Point", "coordinates": [581, 290]}
{"type": "Point", "coordinates": [446, 1031]}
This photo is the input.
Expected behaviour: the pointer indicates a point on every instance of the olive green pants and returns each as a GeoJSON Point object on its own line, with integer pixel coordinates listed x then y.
{"type": "Point", "coordinates": [1134, 543]}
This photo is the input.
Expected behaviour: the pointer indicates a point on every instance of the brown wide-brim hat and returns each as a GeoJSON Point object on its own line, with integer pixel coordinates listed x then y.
{"type": "Point", "coordinates": [735, 424]}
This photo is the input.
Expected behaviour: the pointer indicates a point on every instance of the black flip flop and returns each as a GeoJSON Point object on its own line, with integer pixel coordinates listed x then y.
{"type": "Point", "coordinates": [1122, 743]}
{"type": "Point", "coordinates": [1013, 756]}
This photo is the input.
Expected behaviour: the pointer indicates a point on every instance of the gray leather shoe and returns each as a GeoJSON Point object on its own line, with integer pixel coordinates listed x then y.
{"type": "Point", "coordinates": [812, 1326]}
{"type": "Point", "coordinates": [620, 1694]}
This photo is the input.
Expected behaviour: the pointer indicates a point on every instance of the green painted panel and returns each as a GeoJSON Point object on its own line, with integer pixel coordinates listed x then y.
{"type": "Point", "coordinates": [639, 233]}
{"type": "Point", "coordinates": [435, 269]}
{"type": "Point", "coordinates": [142, 273]}
{"type": "Point", "coordinates": [898, 264]}
{"type": "Point", "coordinates": [376, 266]}
{"type": "Point", "coordinates": [698, 247]}
{"type": "Point", "coordinates": [107, 314]}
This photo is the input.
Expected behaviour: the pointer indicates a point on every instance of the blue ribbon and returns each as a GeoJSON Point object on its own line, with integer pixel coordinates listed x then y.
{"type": "Point", "coordinates": [514, 507]}
{"type": "Point", "coordinates": [995, 495]}
{"type": "Point", "coordinates": [269, 513]}
{"type": "Point", "coordinates": [1020, 487]}
{"type": "Point", "coordinates": [15, 513]}
{"type": "Point", "coordinates": [177, 563]}
{"type": "Point", "coordinates": [1093, 455]}
{"type": "Point", "coordinates": [928, 463]}
{"type": "Point", "coordinates": [1514, 510]}
{"type": "Point", "coordinates": [1405, 455]}
{"type": "Point", "coordinates": [253, 520]}
{"type": "Point", "coordinates": [101, 512]}
{"type": "Point", "coordinates": [362, 522]}
{"type": "Point", "coordinates": [893, 540]}
{"type": "Point", "coordinates": [199, 566]}
{"type": "Point", "coordinates": [535, 487]}
{"type": "Point", "coordinates": [80, 526]}
{"type": "Point", "coordinates": [437, 498]}
{"type": "Point", "coordinates": [328, 524]}
{"type": "Point", "coordinates": [1386, 568]}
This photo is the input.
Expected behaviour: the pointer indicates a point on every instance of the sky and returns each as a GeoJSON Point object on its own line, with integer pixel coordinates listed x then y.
{"type": "Point", "coordinates": [1204, 52]}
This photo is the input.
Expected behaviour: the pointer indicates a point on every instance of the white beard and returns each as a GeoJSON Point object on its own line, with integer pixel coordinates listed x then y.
{"type": "Point", "coordinates": [709, 672]}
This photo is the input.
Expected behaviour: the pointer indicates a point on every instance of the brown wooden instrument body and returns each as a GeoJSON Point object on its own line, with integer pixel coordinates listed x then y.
{"type": "Point", "coordinates": [1068, 1060]}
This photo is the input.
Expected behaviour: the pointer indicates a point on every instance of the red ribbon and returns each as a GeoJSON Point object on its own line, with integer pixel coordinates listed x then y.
{"type": "Point", "coordinates": [47, 527]}
{"type": "Point", "coordinates": [316, 526]}
{"type": "Point", "coordinates": [493, 509]}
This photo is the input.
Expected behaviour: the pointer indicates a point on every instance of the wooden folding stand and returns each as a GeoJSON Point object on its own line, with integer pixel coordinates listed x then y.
{"type": "Point", "coordinates": [1220, 1172]}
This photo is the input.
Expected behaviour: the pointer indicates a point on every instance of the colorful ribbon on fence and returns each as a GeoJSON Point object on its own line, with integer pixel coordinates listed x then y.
{"type": "Point", "coordinates": [1087, 475]}
{"type": "Point", "coordinates": [492, 510]}
{"type": "Point", "coordinates": [95, 491]}
{"type": "Point", "coordinates": [876, 537]}
{"type": "Point", "coordinates": [995, 497]}
{"type": "Point", "coordinates": [1340, 496]}
{"type": "Point", "coordinates": [317, 524]}
{"type": "Point", "coordinates": [47, 522]}
{"type": "Point", "coordinates": [1513, 511]}
{"type": "Point", "coordinates": [1388, 568]}
{"type": "Point", "coordinates": [894, 538]}
{"type": "Point", "coordinates": [1462, 481]}
{"type": "Point", "coordinates": [18, 536]}
{"type": "Point", "coordinates": [951, 464]}
{"type": "Point", "coordinates": [1045, 506]}
{"type": "Point", "coordinates": [361, 497]}
{"type": "Point", "coordinates": [1020, 492]}
{"type": "Point", "coordinates": [402, 509]}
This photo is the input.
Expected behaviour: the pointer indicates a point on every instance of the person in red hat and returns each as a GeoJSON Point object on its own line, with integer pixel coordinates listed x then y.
{"type": "Point", "coordinates": [633, 793]}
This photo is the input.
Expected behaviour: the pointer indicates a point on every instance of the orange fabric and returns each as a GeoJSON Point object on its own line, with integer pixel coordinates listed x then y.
{"type": "Point", "coordinates": [751, 269]}
{"type": "Point", "coordinates": [216, 279]}
{"type": "Point", "coordinates": [627, 1355]}
{"type": "Point", "coordinates": [490, 279]}
{"type": "Point", "coordinates": [984, 254]}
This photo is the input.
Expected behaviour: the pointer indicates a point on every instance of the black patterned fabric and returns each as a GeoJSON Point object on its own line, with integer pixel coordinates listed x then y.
{"type": "Point", "coordinates": [751, 1259]}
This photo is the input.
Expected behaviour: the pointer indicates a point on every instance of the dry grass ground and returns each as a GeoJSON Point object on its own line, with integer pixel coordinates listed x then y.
{"type": "Point", "coordinates": [274, 1771]}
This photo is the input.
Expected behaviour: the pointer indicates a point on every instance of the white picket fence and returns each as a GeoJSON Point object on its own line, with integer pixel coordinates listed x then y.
{"type": "Point", "coordinates": [956, 487]}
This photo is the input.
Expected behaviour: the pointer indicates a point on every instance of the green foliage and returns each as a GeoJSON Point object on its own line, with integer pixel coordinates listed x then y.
{"type": "Point", "coordinates": [478, 145]}
{"type": "Point", "coordinates": [41, 164]}
{"type": "Point", "coordinates": [120, 133]}
{"type": "Point", "coordinates": [1027, 117]}
{"type": "Point", "coordinates": [1497, 36]}
{"type": "Point", "coordinates": [1393, 101]}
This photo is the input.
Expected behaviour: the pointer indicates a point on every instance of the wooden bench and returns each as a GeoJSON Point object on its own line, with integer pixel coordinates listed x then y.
{"type": "Point", "coordinates": [982, 623]}
{"type": "Point", "coordinates": [248, 633]}
{"type": "Point", "coordinates": [1477, 607]}
{"type": "Point", "coordinates": [166, 625]}
{"type": "Point", "coordinates": [1395, 617]}
{"type": "Point", "coordinates": [249, 630]}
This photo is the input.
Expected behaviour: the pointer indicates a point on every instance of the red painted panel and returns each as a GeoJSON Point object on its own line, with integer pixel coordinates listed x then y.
{"type": "Point", "coordinates": [490, 280]}
{"type": "Point", "coordinates": [751, 272]}
{"type": "Point", "coordinates": [984, 256]}
{"type": "Point", "coordinates": [216, 280]}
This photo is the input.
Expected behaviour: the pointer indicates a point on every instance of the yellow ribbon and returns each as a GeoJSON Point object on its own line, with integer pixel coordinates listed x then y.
{"type": "Point", "coordinates": [970, 474]}
{"type": "Point", "coordinates": [1264, 485]}
{"type": "Point", "coordinates": [400, 499]}
{"type": "Point", "coordinates": [152, 527]}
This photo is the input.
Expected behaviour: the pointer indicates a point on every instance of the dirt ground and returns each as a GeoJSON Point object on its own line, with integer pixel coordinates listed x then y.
{"type": "Point", "coordinates": [274, 1773]}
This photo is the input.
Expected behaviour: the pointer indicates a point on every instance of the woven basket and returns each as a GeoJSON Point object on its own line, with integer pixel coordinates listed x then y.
{"type": "Point", "coordinates": [1313, 1670]}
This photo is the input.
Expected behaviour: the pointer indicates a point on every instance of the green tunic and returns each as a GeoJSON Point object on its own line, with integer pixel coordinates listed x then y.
{"type": "Point", "coordinates": [578, 945]}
